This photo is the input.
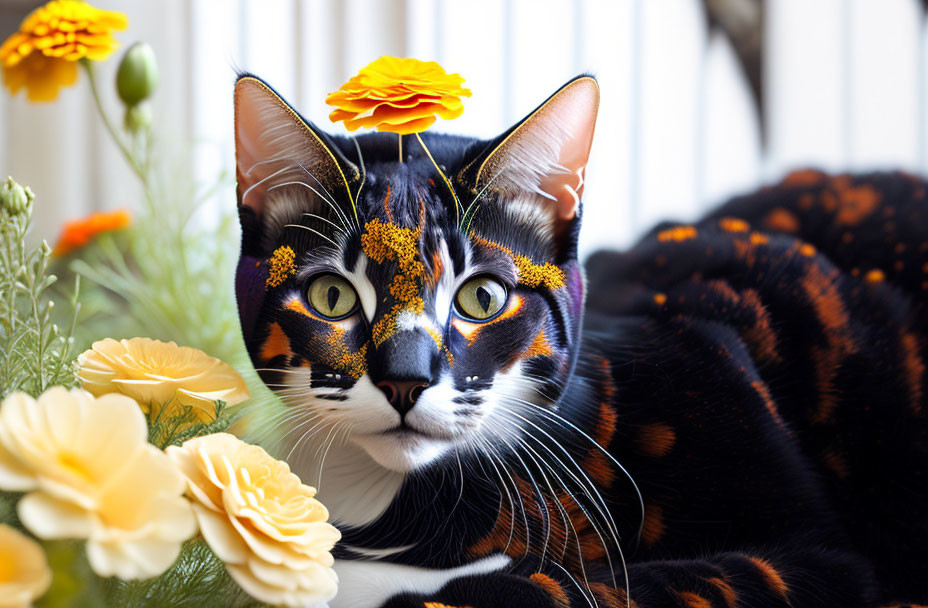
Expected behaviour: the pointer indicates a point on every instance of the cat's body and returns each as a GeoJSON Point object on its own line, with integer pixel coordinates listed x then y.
{"type": "Point", "coordinates": [737, 418]}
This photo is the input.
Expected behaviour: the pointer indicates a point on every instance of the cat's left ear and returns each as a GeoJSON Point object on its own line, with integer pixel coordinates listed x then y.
{"type": "Point", "coordinates": [274, 145]}
{"type": "Point", "coordinates": [546, 153]}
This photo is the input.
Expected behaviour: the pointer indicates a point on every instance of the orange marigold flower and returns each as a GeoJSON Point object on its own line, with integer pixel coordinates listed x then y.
{"type": "Point", "coordinates": [78, 233]}
{"type": "Point", "coordinates": [42, 55]}
{"type": "Point", "coordinates": [398, 95]}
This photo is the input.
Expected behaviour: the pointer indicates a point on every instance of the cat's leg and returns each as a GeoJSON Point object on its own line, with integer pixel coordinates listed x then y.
{"type": "Point", "coordinates": [761, 579]}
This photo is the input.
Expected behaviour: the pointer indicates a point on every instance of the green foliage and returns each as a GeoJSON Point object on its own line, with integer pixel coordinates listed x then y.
{"type": "Point", "coordinates": [197, 579]}
{"type": "Point", "coordinates": [34, 352]}
{"type": "Point", "coordinates": [165, 277]}
{"type": "Point", "coordinates": [174, 430]}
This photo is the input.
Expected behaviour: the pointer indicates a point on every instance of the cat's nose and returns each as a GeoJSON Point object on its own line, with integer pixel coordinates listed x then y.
{"type": "Point", "coordinates": [402, 394]}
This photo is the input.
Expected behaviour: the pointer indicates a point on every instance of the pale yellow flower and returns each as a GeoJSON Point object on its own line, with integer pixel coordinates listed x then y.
{"type": "Point", "coordinates": [42, 55]}
{"type": "Point", "coordinates": [260, 520]}
{"type": "Point", "coordinates": [158, 374]}
{"type": "Point", "coordinates": [24, 571]}
{"type": "Point", "coordinates": [90, 473]}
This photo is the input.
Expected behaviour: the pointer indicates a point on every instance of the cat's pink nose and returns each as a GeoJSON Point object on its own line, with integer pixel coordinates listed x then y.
{"type": "Point", "coordinates": [402, 394]}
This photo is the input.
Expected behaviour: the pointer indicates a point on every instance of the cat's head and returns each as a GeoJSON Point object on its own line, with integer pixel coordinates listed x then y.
{"type": "Point", "coordinates": [380, 305]}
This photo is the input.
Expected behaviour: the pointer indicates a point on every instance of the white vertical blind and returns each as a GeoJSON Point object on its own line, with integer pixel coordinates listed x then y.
{"type": "Point", "coordinates": [807, 81]}
{"type": "Point", "coordinates": [678, 130]}
{"type": "Point", "coordinates": [883, 42]}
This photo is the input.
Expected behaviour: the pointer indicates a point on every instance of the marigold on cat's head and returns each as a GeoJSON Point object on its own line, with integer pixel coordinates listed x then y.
{"type": "Point", "coordinates": [42, 55]}
{"type": "Point", "coordinates": [398, 95]}
{"type": "Point", "coordinates": [79, 233]}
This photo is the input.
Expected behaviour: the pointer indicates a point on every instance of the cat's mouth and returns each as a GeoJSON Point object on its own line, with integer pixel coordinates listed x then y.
{"type": "Point", "coordinates": [408, 433]}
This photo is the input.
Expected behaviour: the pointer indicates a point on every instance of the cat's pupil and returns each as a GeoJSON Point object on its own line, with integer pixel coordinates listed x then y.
{"type": "Point", "coordinates": [484, 297]}
{"type": "Point", "coordinates": [332, 296]}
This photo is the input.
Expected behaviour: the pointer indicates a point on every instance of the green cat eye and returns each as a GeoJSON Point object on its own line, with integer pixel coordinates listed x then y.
{"type": "Point", "coordinates": [480, 299]}
{"type": "Point", "coordinates": [332, 296]}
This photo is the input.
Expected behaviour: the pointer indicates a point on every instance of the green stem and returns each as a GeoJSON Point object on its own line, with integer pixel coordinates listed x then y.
{"type": "Point", "coordinates": [133, 162]}
{"type": "Point", "coordinates": [457, 202]}
{"type": "Point", "coordinates": [400, 138]}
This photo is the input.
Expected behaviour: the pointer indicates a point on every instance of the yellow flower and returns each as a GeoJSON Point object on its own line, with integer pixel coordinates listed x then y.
{"type": "Point", "coordinates": [41, 56]}
{"type": "Point", "coordinates": [398, 95]}
{"type": "Point", "coordinates": [159, 374]}
{"type": "Point", "coordinates": [24, 571]}
{"type": "Point", "coordinates": [260, 520]}
{"type": "Point", "coordinates": [90, 473]}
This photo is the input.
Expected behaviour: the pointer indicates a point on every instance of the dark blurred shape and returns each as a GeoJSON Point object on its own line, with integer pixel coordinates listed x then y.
{"type": "Point", "coordinates": [743, 22]}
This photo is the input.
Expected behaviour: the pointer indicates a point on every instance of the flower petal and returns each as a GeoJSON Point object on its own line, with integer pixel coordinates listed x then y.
{"type": "Point", "coordinates": [51, 518]}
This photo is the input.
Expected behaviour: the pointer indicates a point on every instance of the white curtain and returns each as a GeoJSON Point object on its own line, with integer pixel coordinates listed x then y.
{"type": "Point", "coordinates": [678, 130]}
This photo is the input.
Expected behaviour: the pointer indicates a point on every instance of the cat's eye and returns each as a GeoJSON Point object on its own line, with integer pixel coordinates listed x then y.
{"type": "Point", "coordinates": [332, 296]}
{"type": "Point", "coordinates": [480, 299]}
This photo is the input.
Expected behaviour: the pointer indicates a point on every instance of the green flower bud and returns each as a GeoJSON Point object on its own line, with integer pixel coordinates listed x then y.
{"type": "Point", "coordinates": [137, 76]}
{"type": "Point", "coordinates": [14, 198]}
{"type": "Point", "coordinates": [137, 118]}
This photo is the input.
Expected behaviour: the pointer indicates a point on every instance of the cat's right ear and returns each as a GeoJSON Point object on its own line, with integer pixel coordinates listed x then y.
{"type": "Point", "coordinates": [275, 146]}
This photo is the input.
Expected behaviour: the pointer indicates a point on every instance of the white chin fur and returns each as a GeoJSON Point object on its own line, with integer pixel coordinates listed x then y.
{"type": "Point", "coordinates": [402, 453]}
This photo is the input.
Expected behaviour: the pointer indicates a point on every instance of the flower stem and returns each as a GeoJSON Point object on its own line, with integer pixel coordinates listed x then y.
{"type": "Point", "coordinates": [457, 203]}
{"type": "Point", "coordinates": [133, 162]}
{"type": "Point", "coordinates": [400, 138]}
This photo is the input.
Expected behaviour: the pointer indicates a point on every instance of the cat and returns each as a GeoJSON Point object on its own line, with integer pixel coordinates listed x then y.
{"type": "Point", "coordinates": [731, 413]}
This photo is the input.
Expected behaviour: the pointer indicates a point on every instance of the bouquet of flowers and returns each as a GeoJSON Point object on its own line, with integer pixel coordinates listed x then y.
{"type": "Point", "coordinates": [119, 483]}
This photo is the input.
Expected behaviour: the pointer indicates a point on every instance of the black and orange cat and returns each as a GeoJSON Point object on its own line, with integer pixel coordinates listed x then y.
{"type": "Point", "coordinates": [730, 414]}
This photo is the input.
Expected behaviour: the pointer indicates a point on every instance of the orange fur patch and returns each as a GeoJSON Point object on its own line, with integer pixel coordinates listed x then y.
{"type": "Point", "coordinates": [610, 597]}
{"type": "Point", "coordinates": [277, 343]}
{"type": "Point", "coordinates": [771, 576]}
{"type": "Point", "coordinates": [728, 593]}
{"type": "Point", "coordinates": [599, 468]}
{"type": "Point", "coordinates": [855, 202]}
{"type": "Point", "coordinates": [693, 600]}
{"type": "Point", "coordinates": [761, 337]}
{"type": "Point", "coordinates": [823, 294]}
{"type": "Point", "coordinates": [538, 348]}
{"type": "Point", "coordinates": [656, 439]}
{"type": "Point", "coordinates": [733, 224]}
{"type": "Point", "coordinates": [803, 177]}
{"type": "Point", "coordinates": [386, 205]}
{"type": "Point", "coordinates": [836, 462]}
{"type": "Point", "coordinates": [552, 588]}
{"type": "Point", "coordinates": [570, 538]}
{"type": "Point", "coordinates": [653, 527]}
{"type": "Point", "coordinates": [782, 220]}
{"type": "Point", "coordinates": [678, 234]}
{"type": "Point", "coordinates": [914, 370]}
{"type": "Point", "coordinates": [764, 392]}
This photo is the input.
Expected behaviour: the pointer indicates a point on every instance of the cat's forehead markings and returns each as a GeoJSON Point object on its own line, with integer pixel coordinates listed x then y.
{"type": "Point", "coordinates": [383, 241]}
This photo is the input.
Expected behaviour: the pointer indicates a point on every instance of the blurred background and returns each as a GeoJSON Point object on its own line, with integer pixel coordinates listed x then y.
{"type": "Point", "coordinates": [701, 99]}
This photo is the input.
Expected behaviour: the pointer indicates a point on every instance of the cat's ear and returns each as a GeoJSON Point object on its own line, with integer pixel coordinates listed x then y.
{"type": "Point", "coordinates": [274, 146]}
{"type": "Point", "coordinates": [546, 153]}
